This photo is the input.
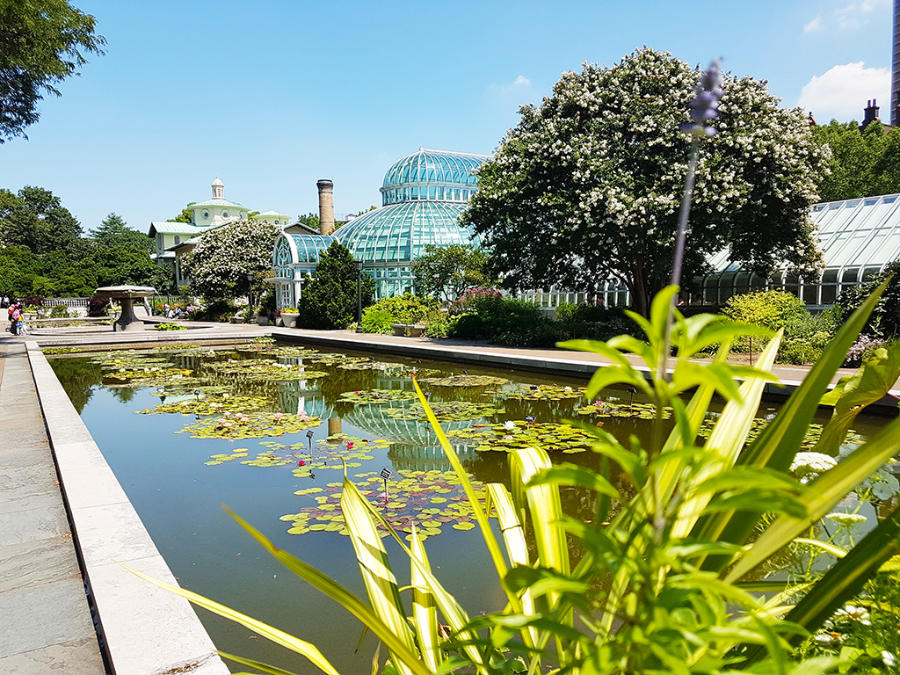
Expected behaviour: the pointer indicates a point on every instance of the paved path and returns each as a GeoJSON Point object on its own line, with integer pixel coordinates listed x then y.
{"type": "Point", "coordinates": [46, 620]}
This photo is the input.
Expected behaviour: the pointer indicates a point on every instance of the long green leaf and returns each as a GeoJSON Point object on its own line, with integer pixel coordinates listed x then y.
{"type": "Point", "coordinates": [375, 567]}
{"type": "Point", "coordinates": [514, 539]}
{"type": "Point", "coordinates": [295, 644]}
{"type": "Point", "coordinates": [258, 665]}
{"type": "Point", "coordinates": [847, 577]}
{"type": "Point", "coordinates": [726, 441]}
{"type": "Point", "coordinates": [349, 601]}
{"type": "Point", "coordinates": [424, 609]}
{"type": "Point", "coordinates": [776, 446]}
{"type": "Point", "coordinates": [853, 393]}
{"type": "Point", "coordinates": [823, 494]}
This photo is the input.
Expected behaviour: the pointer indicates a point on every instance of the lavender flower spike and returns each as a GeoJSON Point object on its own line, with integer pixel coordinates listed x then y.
{"type": "Point", "coordinates": [705, 104]}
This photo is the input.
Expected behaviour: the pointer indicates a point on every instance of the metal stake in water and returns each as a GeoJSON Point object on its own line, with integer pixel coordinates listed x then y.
{"type": "Point", "coordinates": [385, 474]}
{"type": "Point", "coordinates": [309, 437]}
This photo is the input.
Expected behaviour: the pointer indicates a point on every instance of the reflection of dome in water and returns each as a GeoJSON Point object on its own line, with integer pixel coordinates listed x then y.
{"type": "Point", "coordinates": [293, 397]}
{"type": "Point", "coordinates": [416, 446]}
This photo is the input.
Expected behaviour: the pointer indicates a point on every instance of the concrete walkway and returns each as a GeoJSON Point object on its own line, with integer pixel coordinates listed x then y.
{"type": "Point", "coordinates": [47, 625]}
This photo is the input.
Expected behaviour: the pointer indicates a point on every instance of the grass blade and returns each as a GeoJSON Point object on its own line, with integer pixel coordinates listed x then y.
{"type": "Point", "coordinates": [279, 637]}
{"type": "Point", "coordinates": [257, 665]}
{"type": "Point", "coordinates": [424, 609]}
{"type": "Point", "coordinates": [846, 578]}
{"type": "Point", "coordinates": [349, 601]}
{"type": "Point", "coordinates": [375, 567]}
{"type": "Point", "coordinates": [823, 494]}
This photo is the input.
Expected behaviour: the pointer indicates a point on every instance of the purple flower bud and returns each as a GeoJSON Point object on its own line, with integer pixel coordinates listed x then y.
{"type": "Point", "coordinates": [704, 106]}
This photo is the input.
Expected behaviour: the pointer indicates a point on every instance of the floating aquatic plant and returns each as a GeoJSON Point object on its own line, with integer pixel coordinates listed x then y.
{"type": "Point", "coordinates": [544, 392]}
{"type": "Point", "coordinates": [52, 351]}
{"type": "Point", "coordinates": [450, 411]}
{"type": "Point", "coordinates": [512, 435]}
{"type": "Point", "coordinates": [144, 376]}
{"type": "Point", "coordinates": [371, 396]}
{"type": "Point", "coordinates": [222, 457]}
{"type": "Point", "coordinates": [265, 369]}
{"type": "Point", "coordinates": [431, 500]}
{"type": "Point", "coordinates": [813, 432]}
{"type": "Point", "coordinates": [252, 425]}
{"type": "Point", "coordinates": [209, 405]}
{"type": "Point", "coordinates": [608, 409]}
{"type": "Point", "coordinates": [464, 381]}
{"type": "Point", "coordinates": [335, 359]}
{"type": "Point", "coordinates": [372, 365]}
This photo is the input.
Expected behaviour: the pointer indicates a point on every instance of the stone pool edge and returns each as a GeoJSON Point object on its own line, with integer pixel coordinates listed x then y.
{"type": "Point", "coordinates": [142, 628]}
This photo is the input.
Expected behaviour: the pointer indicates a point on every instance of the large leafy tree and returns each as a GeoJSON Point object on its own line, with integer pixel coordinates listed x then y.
{"type": "Point", "coordinates": [42, 42]}
{"type": "Point", "coordinates": [330, 300]}
{"type": "Point", "coordinates": [863, 163]}
{"type": "Point", "coordinates": [231, 260]}
{"type": "Point", "coordinates": [446, 272]}
{"type": "Point", "coordinates": [587, 186]}
{"type": "Point", "coordinates": [35, 217]}
{"type": "Point", "coordinates": [122, 255]}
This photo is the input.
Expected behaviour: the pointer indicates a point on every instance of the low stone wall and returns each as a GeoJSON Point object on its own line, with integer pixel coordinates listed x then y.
{"type": "Point", "coordinates": [145, 629]}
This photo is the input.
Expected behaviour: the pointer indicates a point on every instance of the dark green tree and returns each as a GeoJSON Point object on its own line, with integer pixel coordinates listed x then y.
{"type": "Point", "coordinates": [114, 231]}
{"type": "Point", "coordinates": [446, 272]}
{"type": "Point", "coordinates": [42, 42]}
{"type": "Point", "coordinates": [587, 186]}
{"type": "Point", "coordinates": [884, 322]}
{"type": "Point", "coordinates": [309, 219]}
{"type": "Point", "coordinates": [329, 301]}
{"type": "Point", "coordinates": [34, 217]}
{"type": "Point", "coordinates": [862, 164]}
{"type": "Point", "coordinates": [186, 215]}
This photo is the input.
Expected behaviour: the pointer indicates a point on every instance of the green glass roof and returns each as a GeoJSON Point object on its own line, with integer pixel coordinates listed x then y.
{"type": "Point", "coordinates": [398, 233]}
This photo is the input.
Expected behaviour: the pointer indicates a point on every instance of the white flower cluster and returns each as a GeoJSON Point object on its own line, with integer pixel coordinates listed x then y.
{"type": "Point", "coordinates": [808, 465]}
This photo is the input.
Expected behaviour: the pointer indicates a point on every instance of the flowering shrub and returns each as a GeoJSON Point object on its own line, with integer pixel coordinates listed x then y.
{"type": "Point", "coordinates": [864, 346]}
{"type": "Point", "coordinates": [405, 308]}
{"type": "Point", "coordinates": [465, 302]}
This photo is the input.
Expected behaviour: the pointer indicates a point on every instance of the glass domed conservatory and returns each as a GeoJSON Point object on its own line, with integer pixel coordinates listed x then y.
{"type": "Point", "coordinates": [422, 197]}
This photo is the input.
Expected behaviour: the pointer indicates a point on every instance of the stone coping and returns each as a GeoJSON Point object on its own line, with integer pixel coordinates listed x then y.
{"type": "Point", "coordinates": [144, 629]}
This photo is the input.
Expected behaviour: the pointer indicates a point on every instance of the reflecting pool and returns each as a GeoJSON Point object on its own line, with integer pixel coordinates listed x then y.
{"type": "Point", "coordinates": [268, 428]}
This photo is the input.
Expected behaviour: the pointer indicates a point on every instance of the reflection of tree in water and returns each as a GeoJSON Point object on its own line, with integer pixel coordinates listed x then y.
{"type": "Point", "coordinates": [78, 377]}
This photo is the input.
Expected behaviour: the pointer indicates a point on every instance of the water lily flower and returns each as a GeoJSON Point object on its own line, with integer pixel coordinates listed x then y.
{"type": "Point", "coordinates": [349, 445]}
{"type": "Point", "coordinates": [301, 463]}
{"type": "Point", "coordinates": [227, 414]}
{"type": "Point", "coordinates": [888, 658]}
{"type": "Point", "coordinates": [860, 614]}
{"type": "Point", "coordinates": [278, 416]}
{"type": "Point", "coordinates": [509, 425]}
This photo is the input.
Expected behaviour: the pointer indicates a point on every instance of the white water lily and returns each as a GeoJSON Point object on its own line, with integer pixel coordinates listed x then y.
{"type": "Point", "coordinates": [509, 425]}
{"type": "Point", "coordinates": [854, 613]}
{"type": "Point", "coordinates": [887, 658]}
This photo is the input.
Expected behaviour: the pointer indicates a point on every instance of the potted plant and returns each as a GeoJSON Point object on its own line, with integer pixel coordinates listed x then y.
{"type": "Point", "coordinates": [289, 316]}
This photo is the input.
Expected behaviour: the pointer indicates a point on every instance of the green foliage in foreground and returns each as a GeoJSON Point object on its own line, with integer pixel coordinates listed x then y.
{"type": "Point", "coordinates": [668, 567]}
{"type": "Point", "coordinates": [884, 323]}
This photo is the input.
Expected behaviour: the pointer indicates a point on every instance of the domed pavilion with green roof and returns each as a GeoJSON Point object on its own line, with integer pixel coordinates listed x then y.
{"type": "Point", "coordinates": [422, 197]}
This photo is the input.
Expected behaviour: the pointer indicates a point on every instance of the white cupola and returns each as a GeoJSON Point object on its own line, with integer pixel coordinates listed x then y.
{"type": "Point", "coordinates": [218, 189]}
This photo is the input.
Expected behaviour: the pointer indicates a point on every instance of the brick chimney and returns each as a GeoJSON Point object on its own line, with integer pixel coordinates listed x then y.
{"type": "Point", "coordinates": [326, 205]}
{"type": "Point", "coordinates": [870, 114]}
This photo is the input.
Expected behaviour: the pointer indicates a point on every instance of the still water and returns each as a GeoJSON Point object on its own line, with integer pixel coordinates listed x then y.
{"type": "Point", "coordinates": [182, 463]}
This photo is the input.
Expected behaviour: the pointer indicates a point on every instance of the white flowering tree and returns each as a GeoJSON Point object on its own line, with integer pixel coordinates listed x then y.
{"type": "Point", "coordinates": [231, 259]}
{"type": "Point", "coordinates": [587, 186]}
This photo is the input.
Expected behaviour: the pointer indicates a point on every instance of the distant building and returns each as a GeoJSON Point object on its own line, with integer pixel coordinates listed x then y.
{"type": "Point", "coordinates": [422, 197]}
{"type": "Point", "coordinates": [174, 239]}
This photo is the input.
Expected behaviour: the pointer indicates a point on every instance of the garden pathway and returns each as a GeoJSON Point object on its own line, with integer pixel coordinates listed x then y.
{"type": "Point", "coordinates": [47, 624]}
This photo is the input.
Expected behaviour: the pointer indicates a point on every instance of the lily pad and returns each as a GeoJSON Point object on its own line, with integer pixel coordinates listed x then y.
{"type": "Point", "coordinates": [451, 411]}
{"type": "Point", "coordinates": [209, 405]}
{"type": "Point", "coordinates": [265, 369]}
{"type": "Point", "coordinates": [464, 381]}
{"type": "Point", "coordinates": [374, 396]}
{"type": "Point", "coordinates": [144, 375]}
{"type": "Point", "coordinates": [544, 392]}
{"type": "Point", "coordinates": [511, 435]}
{"type": "Point", "coordinates": [253, 425]}
{"type": "Point", "coordinates": [609, 409]}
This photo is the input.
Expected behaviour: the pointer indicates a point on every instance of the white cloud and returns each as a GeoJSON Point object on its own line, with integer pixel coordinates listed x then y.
{"type": "Point", "coordinates": [521, 83]}
{"type": "Point", "coordinates": [842, 91]}
{"type": "Point", "coordinates": [813, 25]}
{"type": "Point", "coordinates": [850, 16]}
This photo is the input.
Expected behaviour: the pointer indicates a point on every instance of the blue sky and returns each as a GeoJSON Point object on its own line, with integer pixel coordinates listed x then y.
{"type": "Point", "coordinates": [271, 96]}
